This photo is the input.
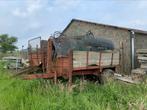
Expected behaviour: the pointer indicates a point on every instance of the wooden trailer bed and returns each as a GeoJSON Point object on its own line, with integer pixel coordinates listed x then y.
{"type": "Point", "coordinates": [78, 63]}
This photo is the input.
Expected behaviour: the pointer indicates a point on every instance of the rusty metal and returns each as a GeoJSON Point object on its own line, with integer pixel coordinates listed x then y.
{"type": "Point", "coordinates": [62, 65]}
{"type": "Point", "coordinates": [70, 66]}
{"type": "Point", "coordinates": [34, 51]}
{"type": "Point", "coordinates": [44, 54]}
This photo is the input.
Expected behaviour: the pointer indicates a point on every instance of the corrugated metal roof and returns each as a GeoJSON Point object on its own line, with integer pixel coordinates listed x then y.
{"type": "Point", "coordinates": [119, 27]}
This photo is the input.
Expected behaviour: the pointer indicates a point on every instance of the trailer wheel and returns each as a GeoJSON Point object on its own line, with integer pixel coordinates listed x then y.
{"type": "Point", "coordinates": [107, 76]}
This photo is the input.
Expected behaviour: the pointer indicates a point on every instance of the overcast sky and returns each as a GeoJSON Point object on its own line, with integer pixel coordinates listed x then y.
{"type": "Point", "coordinates": [26, 19]}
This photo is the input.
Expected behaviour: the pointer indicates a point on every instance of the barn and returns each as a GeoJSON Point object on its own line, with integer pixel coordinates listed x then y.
{"type": "Point", "coordinates": [126, 39]}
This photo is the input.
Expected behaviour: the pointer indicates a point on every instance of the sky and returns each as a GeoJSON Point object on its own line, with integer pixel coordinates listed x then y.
{"type": "Point", "coordinates": [27, 19]}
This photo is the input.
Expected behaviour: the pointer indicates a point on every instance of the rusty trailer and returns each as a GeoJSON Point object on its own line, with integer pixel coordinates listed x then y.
{"type": "Point", "coordinates": [74, 62]}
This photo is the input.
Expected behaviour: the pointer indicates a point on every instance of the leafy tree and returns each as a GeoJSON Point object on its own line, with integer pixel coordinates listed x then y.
{"type": "Point", "coordinates": [7, 43]}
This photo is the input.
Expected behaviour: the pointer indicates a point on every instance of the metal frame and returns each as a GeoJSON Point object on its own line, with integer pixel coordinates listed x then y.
{"type": "Point", "coordinates": [34, 57]}
{"type": "Point", "coordinates": [63, 66]}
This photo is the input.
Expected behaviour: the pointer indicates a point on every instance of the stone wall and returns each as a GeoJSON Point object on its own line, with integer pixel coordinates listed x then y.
{"type": "Point", "coordinates": [119, 37]}
{"type": "Point", "coordinates": [140, 41]}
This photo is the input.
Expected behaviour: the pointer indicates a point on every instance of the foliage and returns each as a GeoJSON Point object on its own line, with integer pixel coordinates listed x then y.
{"type": "Point", "coordinates": [17, 94]}
{"type": "Point", "coordinates": [7, 43]}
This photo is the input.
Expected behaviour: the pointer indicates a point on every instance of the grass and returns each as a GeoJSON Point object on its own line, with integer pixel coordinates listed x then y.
{"type": "Point", "coordinates": [17, 94]}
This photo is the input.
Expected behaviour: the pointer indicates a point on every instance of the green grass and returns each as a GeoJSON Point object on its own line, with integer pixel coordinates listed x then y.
{"type": "Point", "coordinates": [17, 94]}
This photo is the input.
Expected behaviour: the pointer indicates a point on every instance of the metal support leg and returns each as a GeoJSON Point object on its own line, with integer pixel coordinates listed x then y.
{"type": "Point", "coordinates": [70, 79]}
{"type": "Point", "coordinates": [55, 78]}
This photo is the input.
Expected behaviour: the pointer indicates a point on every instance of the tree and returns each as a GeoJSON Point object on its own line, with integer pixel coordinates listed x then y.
{"type": "Point", "coordinates": [7, 43]}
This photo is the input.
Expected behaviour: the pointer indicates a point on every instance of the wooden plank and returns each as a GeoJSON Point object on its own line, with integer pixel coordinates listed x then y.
{"type": "Point", "coordinates": [141, 55]}
{"type": "Point", "coordinates": [142, 61]}
{"type": "Point", "coordinates": [142, 58]}
{"type": "Point", "coordinates": [143, 66]}
{"type": "Point", "coordinates": [94, 58]}
{"type": "Point", "coordinates": [106, 59]}
{"type": "Point", "coordinates": [138, 71]}
{"type": "Point", "coordinates": [127, 79]}
{"type": "Point", "coordinates": [80, 58]}
{"type": "Point", "coordinates": [141, 51]}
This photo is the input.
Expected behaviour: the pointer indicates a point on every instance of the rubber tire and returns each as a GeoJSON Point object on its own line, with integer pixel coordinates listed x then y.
{"type": "Point", "coordinates": [107, 76]}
